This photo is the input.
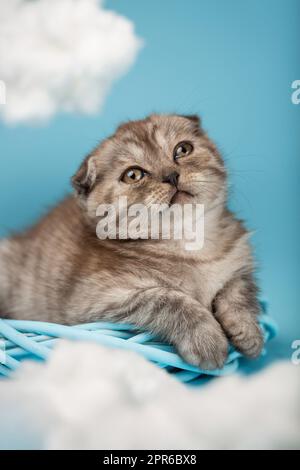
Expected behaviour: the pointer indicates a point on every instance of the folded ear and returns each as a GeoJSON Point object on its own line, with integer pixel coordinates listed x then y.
{"type": "Point", "coordinates": [195, 120]}
{"type": "Point", "coordinates": [85, 178]}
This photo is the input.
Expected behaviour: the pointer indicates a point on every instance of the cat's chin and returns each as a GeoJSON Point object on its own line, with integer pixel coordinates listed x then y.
{"type": "Point", "coordinates": [182, 197]}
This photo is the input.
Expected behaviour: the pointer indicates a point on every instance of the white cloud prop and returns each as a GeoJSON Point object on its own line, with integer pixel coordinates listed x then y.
{"type": "Point", "coordinates": [91, 397]}
{"type": "Point", "coordinates": [60, 56]}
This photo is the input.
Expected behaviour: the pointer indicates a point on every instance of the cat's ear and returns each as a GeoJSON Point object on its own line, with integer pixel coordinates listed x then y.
{"type": "Point", "coordinates": [196, 121]}
{"type": "Point", "coordinates": [85, 178]}
{"type": "Point", "coordinates": [193, 118]}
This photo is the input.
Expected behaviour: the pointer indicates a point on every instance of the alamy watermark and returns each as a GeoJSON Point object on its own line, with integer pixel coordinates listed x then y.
{"type": "Point", "coordinates": [2, 92]}
{"type": "Point", "coordinates": [156, 222]}
{"type": "Point", "coordinates": [296, 353]}
{"type": "Point", "coordinates": [2, 352]}
{"type": "Point", "coordinates": [296, 93]}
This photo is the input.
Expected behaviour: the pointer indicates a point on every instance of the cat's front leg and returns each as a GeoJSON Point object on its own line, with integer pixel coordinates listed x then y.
{"type": "Point", "coordinates": [180, 320]}
{"type": "Point", "coordinates": [236, 308]}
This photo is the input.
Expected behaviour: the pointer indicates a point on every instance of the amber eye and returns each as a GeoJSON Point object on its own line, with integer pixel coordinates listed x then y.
{"type": "Point", "coordinates": [133, 175]}
{"type": "Point", "coordinates": [182, 150]}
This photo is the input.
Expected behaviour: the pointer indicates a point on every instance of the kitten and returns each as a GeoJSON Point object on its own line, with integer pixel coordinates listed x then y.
{"type": "Point", "coordinates": [60, 271]}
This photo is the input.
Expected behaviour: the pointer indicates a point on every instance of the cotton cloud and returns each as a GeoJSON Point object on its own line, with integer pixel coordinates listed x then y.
{"type": "Point", "coordinates": [61, 56]}
{"type": "Point", "coordinates": [91, 397]}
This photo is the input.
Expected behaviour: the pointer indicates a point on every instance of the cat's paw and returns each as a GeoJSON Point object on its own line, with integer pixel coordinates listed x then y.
{"type": "Point", "coordinates": [204, 346]}
{"type": "Point", "coordinates": [245, 335]}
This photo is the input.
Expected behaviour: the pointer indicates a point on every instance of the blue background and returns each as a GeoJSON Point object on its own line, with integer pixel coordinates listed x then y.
{"type": "Point", "coordinates": [232, 62]}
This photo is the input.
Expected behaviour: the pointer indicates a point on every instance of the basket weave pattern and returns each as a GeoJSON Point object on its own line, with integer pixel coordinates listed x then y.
{"type": "Point", "coordinates": [20, 340]}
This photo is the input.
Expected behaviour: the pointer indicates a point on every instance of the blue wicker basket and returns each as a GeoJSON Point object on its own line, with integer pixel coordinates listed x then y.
{"type": "Point", "coordinates": [20, 340]}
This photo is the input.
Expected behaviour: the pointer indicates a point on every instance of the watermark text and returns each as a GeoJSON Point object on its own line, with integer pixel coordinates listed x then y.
{"type": "Point", "coordinates": [2, 92]}
{"type": "Point", "coordinates": [296, 93]}
{"type": "Point", "coordinates": [156, 222]}
{"type": "Point", "coordinates": [2, 352]}
{"type": "Point", "coordinates": [296, 353]}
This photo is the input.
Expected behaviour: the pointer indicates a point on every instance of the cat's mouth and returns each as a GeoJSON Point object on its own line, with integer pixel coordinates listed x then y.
{"type": "Point", "coordinates": [181, 197]}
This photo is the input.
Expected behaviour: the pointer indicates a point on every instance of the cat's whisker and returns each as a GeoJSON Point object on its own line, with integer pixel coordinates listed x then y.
{"type": "Point", "coordinates": [200, 181]}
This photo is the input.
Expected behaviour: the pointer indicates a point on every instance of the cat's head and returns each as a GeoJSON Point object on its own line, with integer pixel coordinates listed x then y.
{"type": "Point", "coordinates": [163, 159]}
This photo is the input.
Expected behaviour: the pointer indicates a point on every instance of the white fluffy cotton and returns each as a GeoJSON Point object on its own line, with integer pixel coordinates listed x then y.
{"type": "Point", "coordinates": [60, 56]}
{"type": "Point", "coordinates": [90, 397]}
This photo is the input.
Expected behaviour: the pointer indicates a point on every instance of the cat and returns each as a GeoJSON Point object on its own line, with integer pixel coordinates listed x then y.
{"type": "Point", "coordinates": [199, 300]}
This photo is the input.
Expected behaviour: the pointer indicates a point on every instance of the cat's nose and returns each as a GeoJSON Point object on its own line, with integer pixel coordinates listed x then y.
{"type": "Point", "coordinates": [172, 178]}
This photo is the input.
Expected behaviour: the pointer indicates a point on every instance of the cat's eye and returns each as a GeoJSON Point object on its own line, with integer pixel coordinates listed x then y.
{"type": "Point", "coordinates": [183, 149]}
{"type": "Point", "coordinates": [133, 175]}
